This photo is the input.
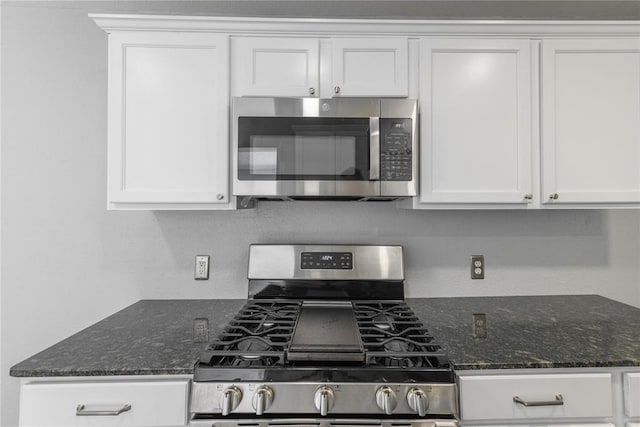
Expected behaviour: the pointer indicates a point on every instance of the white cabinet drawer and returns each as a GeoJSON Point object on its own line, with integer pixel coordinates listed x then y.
{"type": "Point", "coordinates": [631, 383]}
{"type": "Point", "coordinates": [152, 403]}
{"type": "Point", "coordinates": [492, 396]}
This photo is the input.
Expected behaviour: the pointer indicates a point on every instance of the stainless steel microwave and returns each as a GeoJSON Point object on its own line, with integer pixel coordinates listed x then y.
{"type": "Point", "coordinates": [308, 148]}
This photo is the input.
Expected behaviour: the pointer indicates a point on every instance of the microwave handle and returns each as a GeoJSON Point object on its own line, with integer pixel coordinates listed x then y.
{"type": "Point", "coordinates": [374, 149]}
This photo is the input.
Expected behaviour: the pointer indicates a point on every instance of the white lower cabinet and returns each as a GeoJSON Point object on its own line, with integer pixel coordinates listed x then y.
{"type": "Point", "coordinates": [537, 396]}
{"type": "Point", "coordinates": [122, 403]}
{"type": "Point", "coordinates": [631, 385]}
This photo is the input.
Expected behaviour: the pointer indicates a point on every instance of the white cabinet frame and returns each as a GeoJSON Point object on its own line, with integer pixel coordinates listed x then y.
{"type": "Point", "coordinates": [590, 121]}
{"type": "Point", "coordinates": [168, 121]}
{"type": "Point", "coordinates": [452, 134]}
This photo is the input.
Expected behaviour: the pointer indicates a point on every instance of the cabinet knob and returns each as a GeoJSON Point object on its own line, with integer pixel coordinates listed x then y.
{"type": "Point", "coordinates": [528, 196]}
{"type": "Point", "coordinates": [312, 91]}
{"type": "Point", "coordinates": [220, 196]}
{"type": "Point", "coordinates": [554, 196]}
{"type": "Point", "coordinates": [336, 89]}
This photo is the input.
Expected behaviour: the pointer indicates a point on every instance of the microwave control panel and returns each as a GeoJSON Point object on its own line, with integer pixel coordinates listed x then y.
{"type": "Point", "coordinates": [396, 155]}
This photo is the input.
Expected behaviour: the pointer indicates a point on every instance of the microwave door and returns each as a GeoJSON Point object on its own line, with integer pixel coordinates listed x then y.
{"type": "Point", "coordinates": [305, 156]}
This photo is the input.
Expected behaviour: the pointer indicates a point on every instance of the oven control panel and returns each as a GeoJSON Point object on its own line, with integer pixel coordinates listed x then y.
{"type": "Point", "coordinates": [396, 157]}
{"type": "Point", "coordinates": [326, 260]}
{"type": "Point", "coordinates": [324, 399]}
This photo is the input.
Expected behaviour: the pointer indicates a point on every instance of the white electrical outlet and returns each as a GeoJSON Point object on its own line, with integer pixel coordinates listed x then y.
{"type": "Point", "coordinates": [202, 267]}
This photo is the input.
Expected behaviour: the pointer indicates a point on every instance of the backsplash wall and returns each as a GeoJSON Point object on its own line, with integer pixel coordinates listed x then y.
{"type": "Point", "coordinates": [67, 262]}
{"type": "Point", "coordinates": [526, 253]}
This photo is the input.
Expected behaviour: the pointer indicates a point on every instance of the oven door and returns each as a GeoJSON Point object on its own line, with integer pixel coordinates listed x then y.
{"type": "Point", "coordinates": [326, 422]}
{"type": "Point", "coordinates": [304, 153]}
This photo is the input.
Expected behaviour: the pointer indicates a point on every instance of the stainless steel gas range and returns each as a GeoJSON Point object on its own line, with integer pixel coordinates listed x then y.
{"type": "Point", "coordinates": [325, 339]}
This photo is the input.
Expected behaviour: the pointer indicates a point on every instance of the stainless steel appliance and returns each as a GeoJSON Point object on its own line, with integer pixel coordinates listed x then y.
{"type": "Point", "coordinates": [325, 339]}
{"type": "Point", "coordinates": [294, 148]}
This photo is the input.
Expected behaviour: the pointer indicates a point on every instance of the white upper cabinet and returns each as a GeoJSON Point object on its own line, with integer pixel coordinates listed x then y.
{"type": "Point", "coordinates": [476, 134]}
{"type": "Point", "coordinates": [168, 121]}
{"type": "Point", "coordinates": [370, 67]}
{"type": "Point", "coordinates": [283, 66]}
{"type": "Point", "coordinates": [591, 121]}
{"type": "Point", "coordinates": [275, 66]}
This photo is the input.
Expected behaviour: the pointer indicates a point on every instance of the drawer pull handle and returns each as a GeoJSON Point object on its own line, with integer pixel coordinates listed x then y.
{"type": "Point", "coordinates": [557, 402]}
{"type": "Point", "coordinates": [81, 411]}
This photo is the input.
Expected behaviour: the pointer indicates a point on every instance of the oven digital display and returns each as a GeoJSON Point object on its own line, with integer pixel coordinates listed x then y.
{"type": "Point", "coordinates": [326, 260]}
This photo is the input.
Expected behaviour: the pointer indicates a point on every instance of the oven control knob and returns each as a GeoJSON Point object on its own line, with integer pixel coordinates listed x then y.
{"type": "Point", "coordinates": [386, 399]}
{"type": "Point", "coordinates": [418, 401]}
{"type": "Point", "coordinates": [324, 400]}
{"type": "Point", "coordinates": [262, 399]}
{"type": "Point", "coordinates": [231, 398]}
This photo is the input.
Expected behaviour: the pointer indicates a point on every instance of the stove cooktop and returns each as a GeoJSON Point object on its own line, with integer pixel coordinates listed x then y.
{"type": "Point", "coordinates": [257, 345]}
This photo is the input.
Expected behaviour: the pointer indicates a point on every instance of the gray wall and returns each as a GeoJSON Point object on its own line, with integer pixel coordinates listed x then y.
{"type": "Point", "coordinates": [67, 262]}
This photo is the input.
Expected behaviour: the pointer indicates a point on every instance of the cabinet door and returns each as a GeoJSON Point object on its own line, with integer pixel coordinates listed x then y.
{"type": "Point", "coordinates": [631, 384]}
{"type": "Point", "coordinates": [475, 102]}
{"type": "Point", "coordinates": [274, 66]}
{"type": "Point", "coordinates": [591, 121]}
{"type": "Point", "coordinates": [370, 67]}
{"type": "Point", "coordinates": [549, 396]}
{"type": "Point", "coordinates": [87, 403]}
{"type": "Point", "coordinates": [168, 120]}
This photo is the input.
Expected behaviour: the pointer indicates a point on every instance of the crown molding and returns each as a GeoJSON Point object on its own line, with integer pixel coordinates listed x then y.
{"type": "Point", "coordinates": [365, 27]}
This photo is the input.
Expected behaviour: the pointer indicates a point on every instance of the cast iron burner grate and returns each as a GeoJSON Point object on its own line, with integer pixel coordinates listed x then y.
{"type": "Point", "coordinates": [257, 336]}
{"type": "Point", "coordinates": [260, 334]}
{"type": "Point", "coordinates": [393, 336]}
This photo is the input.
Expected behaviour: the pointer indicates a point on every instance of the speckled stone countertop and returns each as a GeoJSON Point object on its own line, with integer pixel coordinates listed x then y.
{"type": "Point", "coordinates": [156, 336]}
{"type": "Point", "coordinates": [534, 331]}
{"type": "Point", "coordinates": [147, 338]}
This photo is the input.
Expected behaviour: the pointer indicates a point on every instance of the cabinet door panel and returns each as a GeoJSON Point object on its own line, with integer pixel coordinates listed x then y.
{"type": "Point", "coordinates": [152, 403]}
{"type": "Point", "coordinates": [591, 120]}
{"type": "Point", "coordinates": [491, 397]}
{"type": "Point", "coordinates": [370, 67]}
{"type": "Point", "coordinates": [476, 124]}
{"type": "Point", "coordinates": [168, 126]}
{"type": "Point", "coordinates": [631, 383]}
{"type": "Point", "coordinates": [275, 66]}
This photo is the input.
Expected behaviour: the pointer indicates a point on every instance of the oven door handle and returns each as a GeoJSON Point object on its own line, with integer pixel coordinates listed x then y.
{"type": "Point", "coordinates": [374, 148]}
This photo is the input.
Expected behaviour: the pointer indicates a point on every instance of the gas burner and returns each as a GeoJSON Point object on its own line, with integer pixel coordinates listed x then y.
{"type": "Point", "coordinates": [251, 345]}
{"type": "Point", "coordinates": [382, 321]}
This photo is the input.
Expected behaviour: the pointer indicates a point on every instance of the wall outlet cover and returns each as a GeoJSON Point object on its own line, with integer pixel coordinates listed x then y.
{"type": "Point", "coordinates": [202, 267]}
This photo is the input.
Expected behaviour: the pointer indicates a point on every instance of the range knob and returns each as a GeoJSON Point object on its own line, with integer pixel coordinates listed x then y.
{"type": "Point", "coordinates": [231, 398]}
{"type": "Point", "coordinates": [418, 401]}
{"type": "Point", "coordinates": [324, 400]}
{"type": "Point", "coordinates": [386, 399]}
{"type": "Point", "coordinates": [262, 399]}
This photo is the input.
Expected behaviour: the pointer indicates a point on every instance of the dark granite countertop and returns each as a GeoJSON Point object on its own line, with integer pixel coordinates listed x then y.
{"type": "Point", "coordinates": [156, 336]}
{"type": "Point", "coordinates": [535, 331]}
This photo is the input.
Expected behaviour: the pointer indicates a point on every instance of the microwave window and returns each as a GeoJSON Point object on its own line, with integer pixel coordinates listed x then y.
{"type": "Point", "coordinates": [277, 148]}
{"type": "Point", "coordinates": [313, 155]}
